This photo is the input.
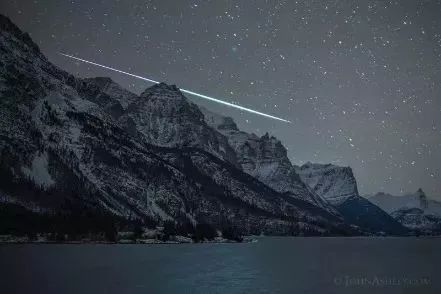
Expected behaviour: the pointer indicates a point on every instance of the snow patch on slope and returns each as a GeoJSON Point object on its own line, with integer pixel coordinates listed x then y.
{"type": "Point", "coordinates": [38, 171]}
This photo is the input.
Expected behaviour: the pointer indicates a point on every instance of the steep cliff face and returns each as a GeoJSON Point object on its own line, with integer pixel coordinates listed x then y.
{"type": "Point", "coordinates": [86, 143]}
{"type": "Point", "coordinates": [166, 118]}
{"type": "Point", "coordinates": [337, 185]}
{"type": "Point", "coordinates": [334, 183]}
{"type": "Point", "coordinates": [265, 158]}
{"type": "Point", "coordinates": [104, 92]}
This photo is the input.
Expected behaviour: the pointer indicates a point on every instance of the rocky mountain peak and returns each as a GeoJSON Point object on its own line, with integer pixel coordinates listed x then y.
{"type": "Point", "coordinates": [270, 146]}
{"type": "Point", "coordinates": [334, 183]}
{"type": "Point", "coordinates": [220, 122]}
{"type": "Point", "coordinates": [105, 92]}
{"type": "Point", "coordinates": [164, 91]}
{"type": "Point", "coordinates": [166, 118]}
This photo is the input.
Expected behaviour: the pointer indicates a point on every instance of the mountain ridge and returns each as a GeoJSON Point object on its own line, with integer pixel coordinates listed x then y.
{"type": "Point", "coordinates": [158, 157]}
{"type": "Point", "coordinates": [415, 210]}
{"type": "Point", "coordinates": [66, 142]}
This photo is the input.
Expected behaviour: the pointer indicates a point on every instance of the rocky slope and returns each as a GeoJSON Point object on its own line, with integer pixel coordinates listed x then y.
{"type": "Point", "coordinates": [110, 96]}
{"type": "Point", "coordinates": [337, 185]}
{"type": "Point", "coordinates": [265, 158]}
{"type": "Point", "coordinates": [334, 183]}
{"type": "Point", "coordinates": [87, 144]}
{"type": "Point", "coordinates": [164, 117]}
{"type": "Point", "coordinates": [418, 221]}
{"type": "Point", "coordinates": [415, 211]}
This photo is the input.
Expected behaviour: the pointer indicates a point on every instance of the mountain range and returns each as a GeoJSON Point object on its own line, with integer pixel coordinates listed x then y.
{"type": "Point", "coordinates": [415, 211]}
{"type": "Point", "coordinates": [71, 145]}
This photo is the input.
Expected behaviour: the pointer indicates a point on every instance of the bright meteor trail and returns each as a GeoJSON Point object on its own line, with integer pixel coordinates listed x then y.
{"type": "Point", "coordinates": [183, 90]}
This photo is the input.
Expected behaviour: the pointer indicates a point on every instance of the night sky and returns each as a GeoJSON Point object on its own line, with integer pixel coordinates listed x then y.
{"type": "Point", "coordinates": [360, 80]}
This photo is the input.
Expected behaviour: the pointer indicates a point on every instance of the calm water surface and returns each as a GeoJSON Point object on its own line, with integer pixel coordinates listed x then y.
{"type": "Point", "coordinates": [272, 265]}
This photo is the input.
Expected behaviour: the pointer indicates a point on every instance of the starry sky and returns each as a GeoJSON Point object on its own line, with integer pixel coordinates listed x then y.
{"type": "Point", "coordinates": [360, 80]}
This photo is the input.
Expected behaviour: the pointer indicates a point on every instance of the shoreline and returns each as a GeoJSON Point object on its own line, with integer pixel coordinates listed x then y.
{"type": "Point", "coordinates": [17, 241]}
{"type": "Point", "coordinates": [248, 239]}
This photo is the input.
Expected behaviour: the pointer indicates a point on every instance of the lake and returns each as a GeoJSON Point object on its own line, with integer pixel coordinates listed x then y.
{"type": "Point", "coordinates": [271, 265]}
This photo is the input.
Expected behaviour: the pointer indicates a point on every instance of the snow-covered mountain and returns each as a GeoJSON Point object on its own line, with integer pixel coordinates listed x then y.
{"type": "Point", "coordinates": [87, 144]}
{"type": "Point", "coordinates": [338, 185]}
{"type": "Point", "coordinates": [415, 211]}
{"type": "Point", "coordinates": [265, 158]}
{"type": "Point", "coordinates": [165, 117]}
{"type": "Point", "coordinates": [69, 143]}
{"type": "Point", "coordinates": [330, 187]}
{"type": "Point", "coordinates": [334, 183]}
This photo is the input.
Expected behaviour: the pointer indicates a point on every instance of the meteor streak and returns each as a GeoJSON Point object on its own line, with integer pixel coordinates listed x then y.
{"type": "Point", "coordinates": [183, 90]}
